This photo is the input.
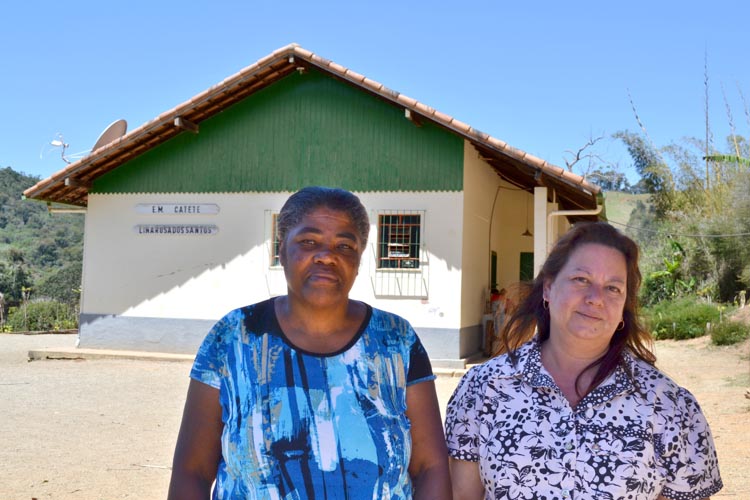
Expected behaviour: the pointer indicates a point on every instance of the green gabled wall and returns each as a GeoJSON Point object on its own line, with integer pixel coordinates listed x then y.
{"type": "Point", "coordinates": [307, 129]}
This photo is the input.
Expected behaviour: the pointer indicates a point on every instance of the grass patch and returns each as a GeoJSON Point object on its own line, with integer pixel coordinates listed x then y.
{"type": "Point", "coordinates": [619, 205]}
{"type": "Point", "coordinates": [729, 332]}
{"type": "Point", "coordinates": [684, 318]}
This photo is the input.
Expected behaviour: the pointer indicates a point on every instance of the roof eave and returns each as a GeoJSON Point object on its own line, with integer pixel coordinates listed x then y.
{"type": "Point", "coordinates": [70, 185]}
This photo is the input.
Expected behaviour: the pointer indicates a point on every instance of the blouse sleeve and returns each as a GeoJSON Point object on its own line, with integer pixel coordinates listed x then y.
{"type": "Point", "coordinates": [461, 419]}
{"type": "Point", "coordinates": [688, 453]}
{"type": "Point", "coordinates": [211, 354]}
{"type": "Point", "coordinates": [420, 368]}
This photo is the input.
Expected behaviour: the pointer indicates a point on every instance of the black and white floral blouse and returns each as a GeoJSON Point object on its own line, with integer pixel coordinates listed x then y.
{"type": "Point", "coordinates": [634, 437]}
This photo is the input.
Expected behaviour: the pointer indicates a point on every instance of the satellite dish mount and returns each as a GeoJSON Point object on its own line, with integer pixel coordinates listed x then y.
{"type": "Point", "coordinates": [60, 143]}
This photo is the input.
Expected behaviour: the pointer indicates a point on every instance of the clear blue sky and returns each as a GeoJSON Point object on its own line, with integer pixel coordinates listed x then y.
{"type": "Point", "coordinates": [543, 76]}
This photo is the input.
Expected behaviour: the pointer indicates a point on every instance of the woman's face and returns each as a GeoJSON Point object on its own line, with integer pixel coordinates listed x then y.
{"type": "Point", "coordinates": [587, 298]}
{"type": "Point", "coordinates": [321, 257]}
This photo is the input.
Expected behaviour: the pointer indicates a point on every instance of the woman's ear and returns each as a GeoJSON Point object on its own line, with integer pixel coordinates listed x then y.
{"type": "Point", "coordinates": [282, 254]}
{"type": "Point", "coordinates": [545, 290]}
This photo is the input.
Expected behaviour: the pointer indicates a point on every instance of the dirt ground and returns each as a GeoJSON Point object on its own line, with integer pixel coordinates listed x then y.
{"type": "Point", "coordinates": [106, 429]}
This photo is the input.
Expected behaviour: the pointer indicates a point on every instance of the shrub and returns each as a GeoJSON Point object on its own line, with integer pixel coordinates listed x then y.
{"type": "Point", "coordinates": [729, 332]}
{"type": "Point", "coordinates": [684, 318]}
{"type": "Point", "coordinates": [41, 315]}
{"type": "Point", "coordinates": [654, 289]}
{"type": "Point", "coordinates": [62, 284]}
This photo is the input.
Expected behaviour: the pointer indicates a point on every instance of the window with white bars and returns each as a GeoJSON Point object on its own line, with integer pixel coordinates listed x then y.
{"type": "Point", "coordinates": [275, 242]}
{"type": "Point", "coordinates": [401, 264]}
{"type": "Point", "coordinates": [273, 272]}
{"type": "Point", "coordinates": [399, 240]}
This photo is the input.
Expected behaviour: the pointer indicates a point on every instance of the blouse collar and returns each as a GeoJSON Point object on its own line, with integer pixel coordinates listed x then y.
{"type": "Point", "coordinates": [529, 367]}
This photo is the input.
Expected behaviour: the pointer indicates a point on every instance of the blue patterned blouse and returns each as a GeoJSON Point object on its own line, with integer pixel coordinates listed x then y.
{"type": "Point", "coordinates": [299, 425]}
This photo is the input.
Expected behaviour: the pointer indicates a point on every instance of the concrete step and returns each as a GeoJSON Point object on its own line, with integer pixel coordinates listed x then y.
{"type": "Point", "coordinates": [82, 354]}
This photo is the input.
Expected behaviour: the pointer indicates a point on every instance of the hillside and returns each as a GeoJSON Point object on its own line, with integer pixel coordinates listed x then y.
{"type": "Point", "coordinates": [39, 252]}
{"type": "Point", "coordinates": [620, 205]}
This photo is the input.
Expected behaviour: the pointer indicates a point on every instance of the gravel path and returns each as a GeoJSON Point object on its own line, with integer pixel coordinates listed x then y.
{"type": "Point", "coordinates": [106, 429]}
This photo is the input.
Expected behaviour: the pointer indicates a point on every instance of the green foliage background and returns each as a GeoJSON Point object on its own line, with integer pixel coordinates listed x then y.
{"type": "Point", "coordinates": [692, 223]}
{"type": "Point", "coordinates": [40, 256]}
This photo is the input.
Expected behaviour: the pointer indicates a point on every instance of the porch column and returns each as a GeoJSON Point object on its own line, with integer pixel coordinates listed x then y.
{"type": "Point", "coordinates": [540, 228]}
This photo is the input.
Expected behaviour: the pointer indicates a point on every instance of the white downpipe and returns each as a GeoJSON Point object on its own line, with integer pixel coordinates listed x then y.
{"type": "Point", "coordinates": [558, 213]}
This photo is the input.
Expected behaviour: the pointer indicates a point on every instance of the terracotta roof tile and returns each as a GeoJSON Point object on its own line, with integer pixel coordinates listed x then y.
{"type": "Point", "coordinates": [442, 117]}
{"type": "Point", "coordinates": [299, 50]}
{"type": "Point", "coordinates": [337, 68]}
{"type": "Point", "coordinates": [424, 109]}
{"type": "Point", "coordinates": [393, 94]}
{"type": "Point", "coordinates": [354, 76]}
{"type": "Point", "coordinates": [462, 126]}
{"type": "Point", "coordinates": [407, 101]}
{"type": "Point", "coordinates": [377, 87]}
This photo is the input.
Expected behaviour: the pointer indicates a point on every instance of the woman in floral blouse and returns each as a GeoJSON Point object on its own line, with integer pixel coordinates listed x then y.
{"type": "Point", "coordinates": [575, 408]}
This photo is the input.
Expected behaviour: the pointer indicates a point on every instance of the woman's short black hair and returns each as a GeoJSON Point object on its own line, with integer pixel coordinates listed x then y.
{"type": "Point", "coordinates": [310, 198]}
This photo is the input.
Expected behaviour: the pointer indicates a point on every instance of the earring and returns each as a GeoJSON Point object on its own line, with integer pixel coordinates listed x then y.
{"type": "Point", "coordinates": [620, 325]}
{"type": "Point", "coordinates": [545, 304]}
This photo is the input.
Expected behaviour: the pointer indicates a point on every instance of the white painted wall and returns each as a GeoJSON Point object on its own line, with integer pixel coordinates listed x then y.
{"type": "Point", "coordinates": [167, 276]}
{"type": "Point", "coordinates": [442, 241]}
{"type": "Point", "coordinates": [203, 277]}
{"type": "Point", "coordinates": [481, 186]}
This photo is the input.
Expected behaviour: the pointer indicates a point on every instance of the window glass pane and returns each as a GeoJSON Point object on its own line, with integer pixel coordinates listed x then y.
{"type": "Point", "coordinates": [399, 238]}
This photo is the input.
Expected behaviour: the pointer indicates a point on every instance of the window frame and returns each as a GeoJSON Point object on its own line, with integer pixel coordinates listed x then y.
{"type": "Point", "coordinates": [400, 237]}
{"type": "Point", "coordinates": [274, 261]}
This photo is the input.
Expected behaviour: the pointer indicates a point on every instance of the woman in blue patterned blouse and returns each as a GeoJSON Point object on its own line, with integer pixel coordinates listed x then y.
{"type": "Point", "coordinates": [312, 395]}
{"type": "Point", "coordinates": [575, 408]}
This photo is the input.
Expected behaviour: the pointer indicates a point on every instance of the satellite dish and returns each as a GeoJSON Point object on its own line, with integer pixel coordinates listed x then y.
{"type": "Point", "coordinates": [115, 130]}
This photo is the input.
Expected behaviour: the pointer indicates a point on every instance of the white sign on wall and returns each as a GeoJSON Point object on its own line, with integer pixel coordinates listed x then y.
{"type": "Point", "coordinates": [179, 229]}
{"type": "Point", "coordinates": [177, 208]}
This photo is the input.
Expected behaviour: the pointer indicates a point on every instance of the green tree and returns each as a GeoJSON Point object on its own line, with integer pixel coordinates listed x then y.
{"type": "Point", "coordinates": [63, 284]}
{"type": "Point", "coordinates": [712, 223]}
{"type": "Point", "coordinates": [610, 180]}
{"type": "Point", "coordinates": [15, 280]}
{"type": "Point", "coordinates": [656, 177]}
{"type": "Point", "coordinates": [36, 246]}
